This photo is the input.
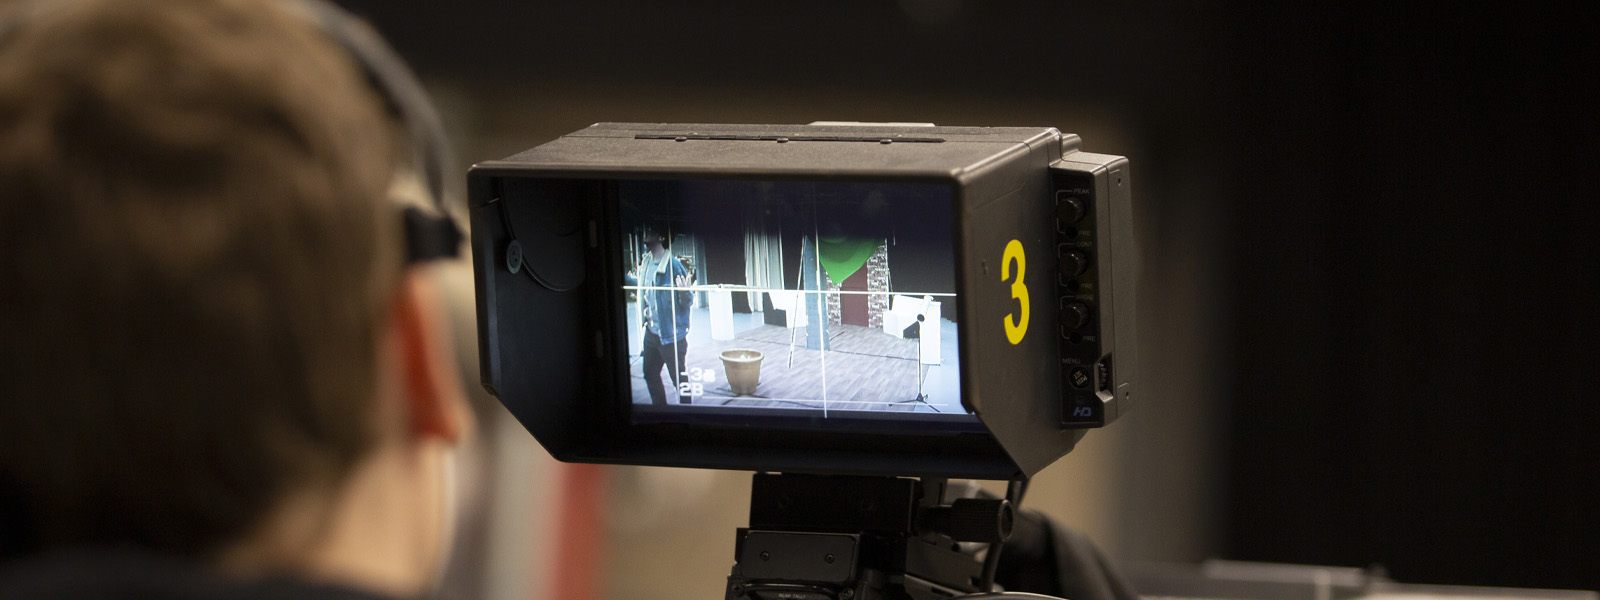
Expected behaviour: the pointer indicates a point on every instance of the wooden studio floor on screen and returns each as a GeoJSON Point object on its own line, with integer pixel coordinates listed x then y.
{"type": "Point", "coordinates": [863, 369]}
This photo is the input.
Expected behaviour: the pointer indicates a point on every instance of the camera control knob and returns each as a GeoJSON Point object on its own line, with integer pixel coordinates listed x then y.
{"type": "Point", "coordinates": [1069, 209]}
{"type": "Point", "coordinates": [1074, 316]}
{"type": "Point", "coordinates": [1073, 263]}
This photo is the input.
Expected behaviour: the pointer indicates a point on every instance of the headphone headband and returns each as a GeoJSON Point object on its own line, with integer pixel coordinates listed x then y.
{"type": "Point", "coordinates": [428, 236]}
{"type": "Point", "coordinates": [401, 90]}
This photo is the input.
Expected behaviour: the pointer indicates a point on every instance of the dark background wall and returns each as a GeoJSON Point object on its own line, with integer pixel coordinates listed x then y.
{"type": "Point", "coordinates": [1414, 360]}
{"type": "Point", "coordinates": [1368, 233]}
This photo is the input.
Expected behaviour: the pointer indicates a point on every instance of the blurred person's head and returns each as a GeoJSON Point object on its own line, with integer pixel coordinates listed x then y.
{"type": "Point", "coordinates": [655, 237]}
{"type": "Point", "coordinates": [212, 345]}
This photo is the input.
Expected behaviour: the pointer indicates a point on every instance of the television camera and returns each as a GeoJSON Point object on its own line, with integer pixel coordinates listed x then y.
{"type": "Point", "coordinates": [857, 312]}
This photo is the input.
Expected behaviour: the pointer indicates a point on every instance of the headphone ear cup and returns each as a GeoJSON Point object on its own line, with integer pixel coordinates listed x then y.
{"type": "Point", "coordinates": [429, 236]}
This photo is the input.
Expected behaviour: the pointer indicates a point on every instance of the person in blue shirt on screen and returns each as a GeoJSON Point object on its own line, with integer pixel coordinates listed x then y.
{"type": "Point", "coordinates": [665, 313]}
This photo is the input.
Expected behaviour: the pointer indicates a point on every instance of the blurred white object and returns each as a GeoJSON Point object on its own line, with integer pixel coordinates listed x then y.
{"type": "Point", "coordinates": [721, 300]}
{"type": "Point", "coordinates": [903, 311]}
{"type": "Point", "coordinates": [789, 301]}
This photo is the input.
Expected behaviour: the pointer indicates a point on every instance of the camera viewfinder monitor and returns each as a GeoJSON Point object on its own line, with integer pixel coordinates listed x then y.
{"type": "Point", "coordinates": [840, 298]}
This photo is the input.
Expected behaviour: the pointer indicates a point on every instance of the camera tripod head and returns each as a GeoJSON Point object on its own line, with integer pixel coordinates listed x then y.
{"type": "Point", "coordinates": [825, 537]}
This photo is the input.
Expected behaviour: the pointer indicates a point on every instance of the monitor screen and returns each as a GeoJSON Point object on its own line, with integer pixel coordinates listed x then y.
{"type": "Point", "coordinates": [825, 301]}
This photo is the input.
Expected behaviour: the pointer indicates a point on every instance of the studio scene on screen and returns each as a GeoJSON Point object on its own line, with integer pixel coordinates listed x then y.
{"type": "Point", "coordinates": [824, 296]}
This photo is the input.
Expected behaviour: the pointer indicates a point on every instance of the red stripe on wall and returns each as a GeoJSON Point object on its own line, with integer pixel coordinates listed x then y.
{"type": "Point", "coordinates": [577, 566]}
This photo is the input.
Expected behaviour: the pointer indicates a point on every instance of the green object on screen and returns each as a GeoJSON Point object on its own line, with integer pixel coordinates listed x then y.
{"type": "Point", "coordinates": [842, 256]}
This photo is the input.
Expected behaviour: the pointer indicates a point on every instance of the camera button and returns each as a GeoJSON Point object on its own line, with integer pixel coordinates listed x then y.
{"type": "Point", "coordinates": [1074, 316]}
{"type": "Point", "coordinates": [1073, 263]}
{"type": "Point", "coordinates": [1069, 209]}
{"type": "Point", "coordinates": [1079, 377]}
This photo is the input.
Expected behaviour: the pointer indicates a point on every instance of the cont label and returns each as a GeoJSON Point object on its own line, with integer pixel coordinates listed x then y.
{"type": "Point", "coordinates": [1017, 322]}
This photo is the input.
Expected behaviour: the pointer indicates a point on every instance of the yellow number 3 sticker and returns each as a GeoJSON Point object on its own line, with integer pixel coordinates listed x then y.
{"type": "Point", "coordinates": [1016, 325]}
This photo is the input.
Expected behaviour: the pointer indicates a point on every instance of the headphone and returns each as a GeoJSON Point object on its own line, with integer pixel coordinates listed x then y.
{"type": "Point", "coordinates": [430, 232]}
{"type": "Point", "coordinates": [428, 236]}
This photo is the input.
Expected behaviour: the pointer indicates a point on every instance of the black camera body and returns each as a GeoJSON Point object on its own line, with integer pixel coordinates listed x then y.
{"type": "Point", "coordinates": [961, 301]}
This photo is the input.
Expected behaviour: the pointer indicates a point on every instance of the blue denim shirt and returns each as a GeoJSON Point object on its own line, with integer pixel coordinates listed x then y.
{"type": "Point", "coordinates": [659, 302]}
